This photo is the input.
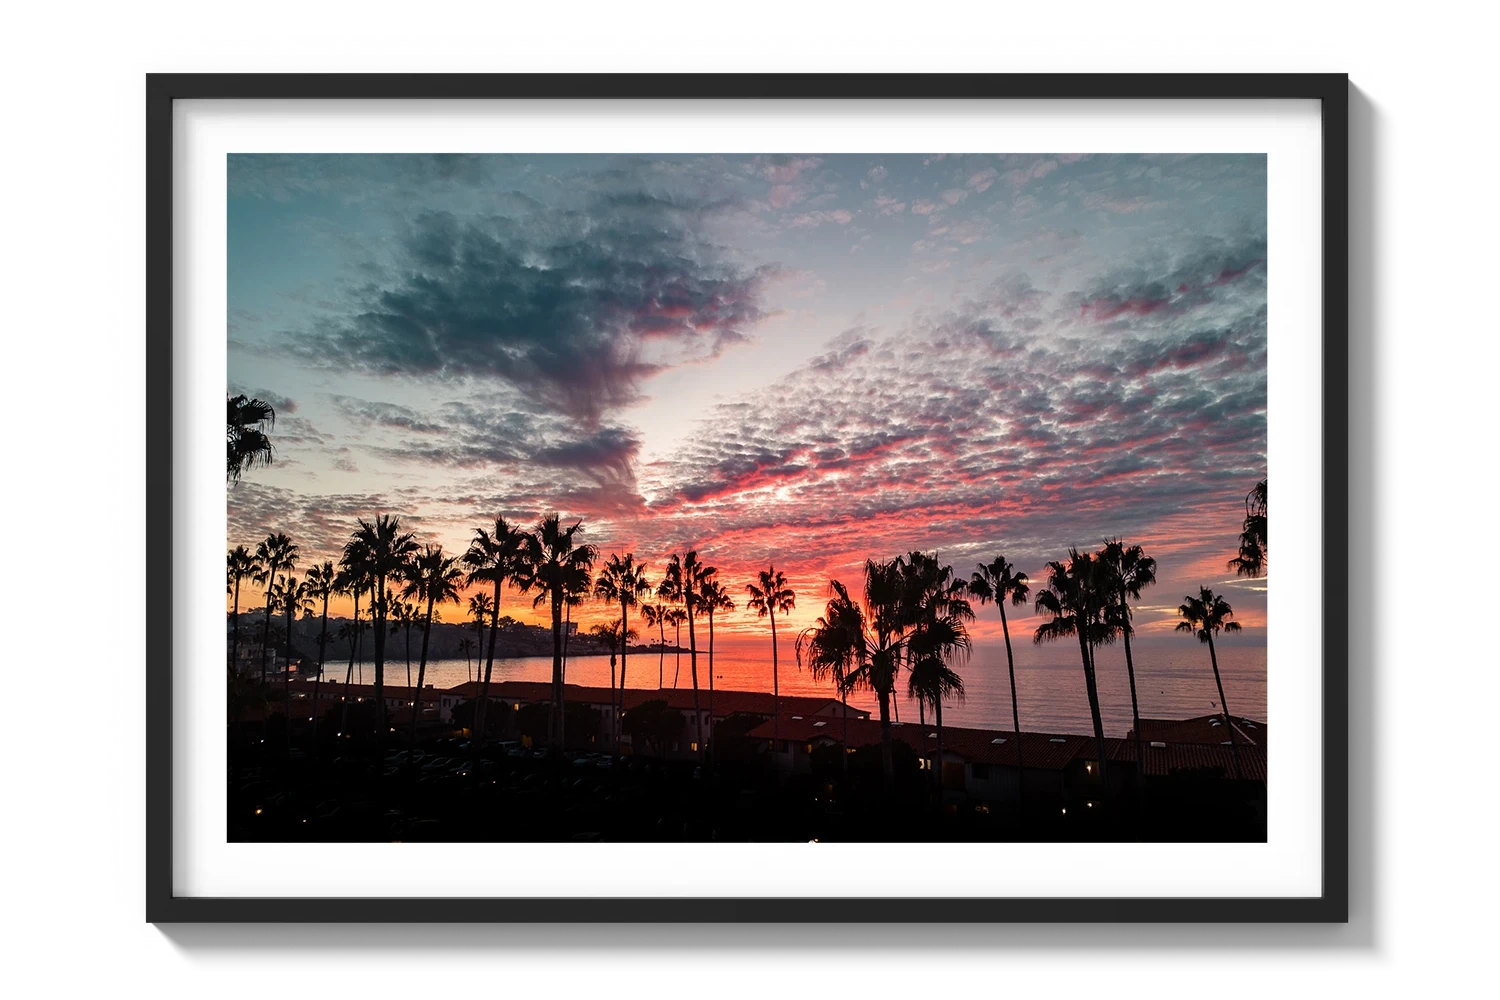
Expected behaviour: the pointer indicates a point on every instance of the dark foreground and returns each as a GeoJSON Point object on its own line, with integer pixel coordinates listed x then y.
{"type": "Point", "coordinates": [518, 795]}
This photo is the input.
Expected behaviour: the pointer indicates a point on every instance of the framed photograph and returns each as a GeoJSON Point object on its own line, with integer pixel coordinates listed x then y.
{"type": "Point", "coordinates": [649, 498]}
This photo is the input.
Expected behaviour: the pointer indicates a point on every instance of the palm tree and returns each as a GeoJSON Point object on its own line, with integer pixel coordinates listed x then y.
{"type": "Point", "coordinates": [1129, 571]}
{"type": "Point", "coordinates": [404, 615]}
{"type": "Point", "coordinates": [556, 566]}
{"type": "Point", "coordinates": [683, 579]}
{"type": "Point", "coordinates": [931, 682]}
{"type": "Point", "coordinates": [862, 644]}
{"type": "Point", "coordinates": [354, 577]}
{"type": "Point", "coordinates": [240, 565]}
{"type": "Point", "coordinates": [675, 617]}
{"type": "Point", "coordinates": [1077, 597]}
{"type": "Point", "coordinates": [293, 598]}
{"type": "Point", "coordinates": [493, 557]}
{"type": "Point", "coordinates": [768, 595]}
{"type": "Point", "coordinates": [322, 584]}
{"type": "Point", "coordinates": [248, 445]}
{"type": "Point", "coordinates": [275, 554]}
{"type": "Point", "coordinates": [614, 635]}
{"type": "Point", "coordinates": [466, 647]}
{"type": "Point", "coordinates": [388, 549]}
{"type": "Point", "coordinates": [936, 611]}
{"type": "Point", "coordinates": [481, 610]}
{"type": "Point", "coordinates": [435, 578]}
{"type": "Point", "coordinates": [655, 614]}
{"type": "Point", "coordinates": [1205, 616]}
{"type": "Point", "coordinates": [998, 581]}
{"type": "Point", "coordinates": [1253, 539]}
{"type": "Point", "coordinates": [715, 598]}
{"type": "Point", "coordinates": [829, 659]}
{"type": "Point", "coordinates": [574, 592]}
{"type": "Point", "coordinates": [622, 581]}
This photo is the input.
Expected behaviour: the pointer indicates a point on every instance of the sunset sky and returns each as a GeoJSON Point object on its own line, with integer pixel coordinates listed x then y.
{"type": "Point", "coordinates": [802, 359]}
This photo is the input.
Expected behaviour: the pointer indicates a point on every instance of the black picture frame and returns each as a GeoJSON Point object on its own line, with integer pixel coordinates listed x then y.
{"type": "Point", "coordinates": [1331, 90]}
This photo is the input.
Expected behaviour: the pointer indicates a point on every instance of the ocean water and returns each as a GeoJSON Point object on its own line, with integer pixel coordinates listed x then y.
{"type": "Point", "coordinates": [1173, 680]}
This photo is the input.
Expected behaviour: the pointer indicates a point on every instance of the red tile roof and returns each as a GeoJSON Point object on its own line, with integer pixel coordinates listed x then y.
{"type": "Point", "coordinates": [725, 703]}
{"type": "Point", "coordinates": [1207, 729]}
{"type": "Point", "coordinates": [1191, 757]}
{"type": "Point", "coordinates": [1042, 751]}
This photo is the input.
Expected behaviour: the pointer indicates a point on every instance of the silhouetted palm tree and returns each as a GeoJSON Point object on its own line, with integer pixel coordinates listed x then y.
{"type": "Point", "coordinates": [622, 581]}
{"type": "Point", "coordinates": [936, 610]}
{"type": "Point", "coordinates": [1253, 538]}
{"type": "Point", "coordinates": [931, 682]}
{"type": "Point", "coordinates": [494, 557]}
{"type": "Point", "coordinates": [861, 644]}
{"type": "Point", "coordinates": [293, 597]}
{"type": "Point", "coordinates": [998, 581]}
{"type": "Point", "coordinates": [675, 617]}
{"type": "Point", "coordinates": [434, 578]}
{"type": "Point", "coordinates": [1205, 616]}
{"type": "Point", "coordinates": [1077, 597]}
{"type": "Point", "coordinates": [277, 553]}
{"type": "Point", "coordinates": [322, 584]}
{"type": "Point", "coordinates": [248, 445]}
{"type": "Point", "coordinates": [240, 565]}
{"type": "Point", "coordinates": [404, 615]}
{"type": "Point", "coordinates": [655, 615]}
{"type": "Point", "coordinates": [556, 567]}
{"type": "Point", "coordinates": [683, 578]}
{"type": "Point", "coordinates": [353, 579]}
{"type": "Point", "coordinates": [388, 548]}
{"type": "Point", "coordinates": [481, 610]}
{"type": "Point", "coordinates": [574, 594]}
{"type": "Point", "coordinates": [715, 598]}
{"type": "Point", "coordinates": [769, 594]}
{"type": "Point", "coordinates": [466, 647]}
{"type": "Point", "coordinates": [1129, 571]}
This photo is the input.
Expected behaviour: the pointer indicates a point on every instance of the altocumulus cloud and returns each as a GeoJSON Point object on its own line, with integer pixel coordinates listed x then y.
{"type": "Point", "coordinates": [572, 308]}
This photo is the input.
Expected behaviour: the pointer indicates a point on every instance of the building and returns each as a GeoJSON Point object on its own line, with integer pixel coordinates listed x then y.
{"type": "Point", "coordinates": [696, 724]}
{"type": "Point", "coordinates": [1063, 769]}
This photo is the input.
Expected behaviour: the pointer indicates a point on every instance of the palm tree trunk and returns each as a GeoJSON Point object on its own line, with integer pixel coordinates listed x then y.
{"type": "Point", "coordinates": [567, 629]}
{"type": "Point", "coordinates": [1093, 691]}
{"type": "Point", "coordinates": [234, 644]}
{"type": "Point", "coordinates": [922, 724]}
{"type": "Point", "coordinates": [286, 676]}
{"type": "Point", "coordinates": [382, 613]}
{"type": "Point", "coordinates": [886, 763]}
{"type": "Point", "coordinates": [710, 685]}
{"type": "Point", "coordinates": [318, 680]}
{"type": "Point", "coordinates": [677, 670]}
{"type": "Point", "coordinates": [484, 687]}
{"type": "Point", "coordinates": [1135, 710]}
{"type": "Point", "coordinates": [844, 701]}
{"type": "Point", "coordinates": [558, 599]}
{"type": "Point", "coordinates": [1234, 743]}
{"type": "Point", "coordinates": [265, 641]}
{"type": "Point", "coordinates": [624, 648]}
{"type": "Point", "coordinates": [661, 654]}
{"type": "Point", "coordinates": [1015, 710]}
{"type": "Point", "coordinates": [775, 680]}
{"type": "Point", "coordinates": [408, 656]}
{"type": "Point", "coordinates": [693, 663]}
{"type": "Point", "coordinates": [349, 676]}
{"type": "Point", "coordinates": [416, 700]}
{"type": "Point", "coordinates": [938, 710]}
